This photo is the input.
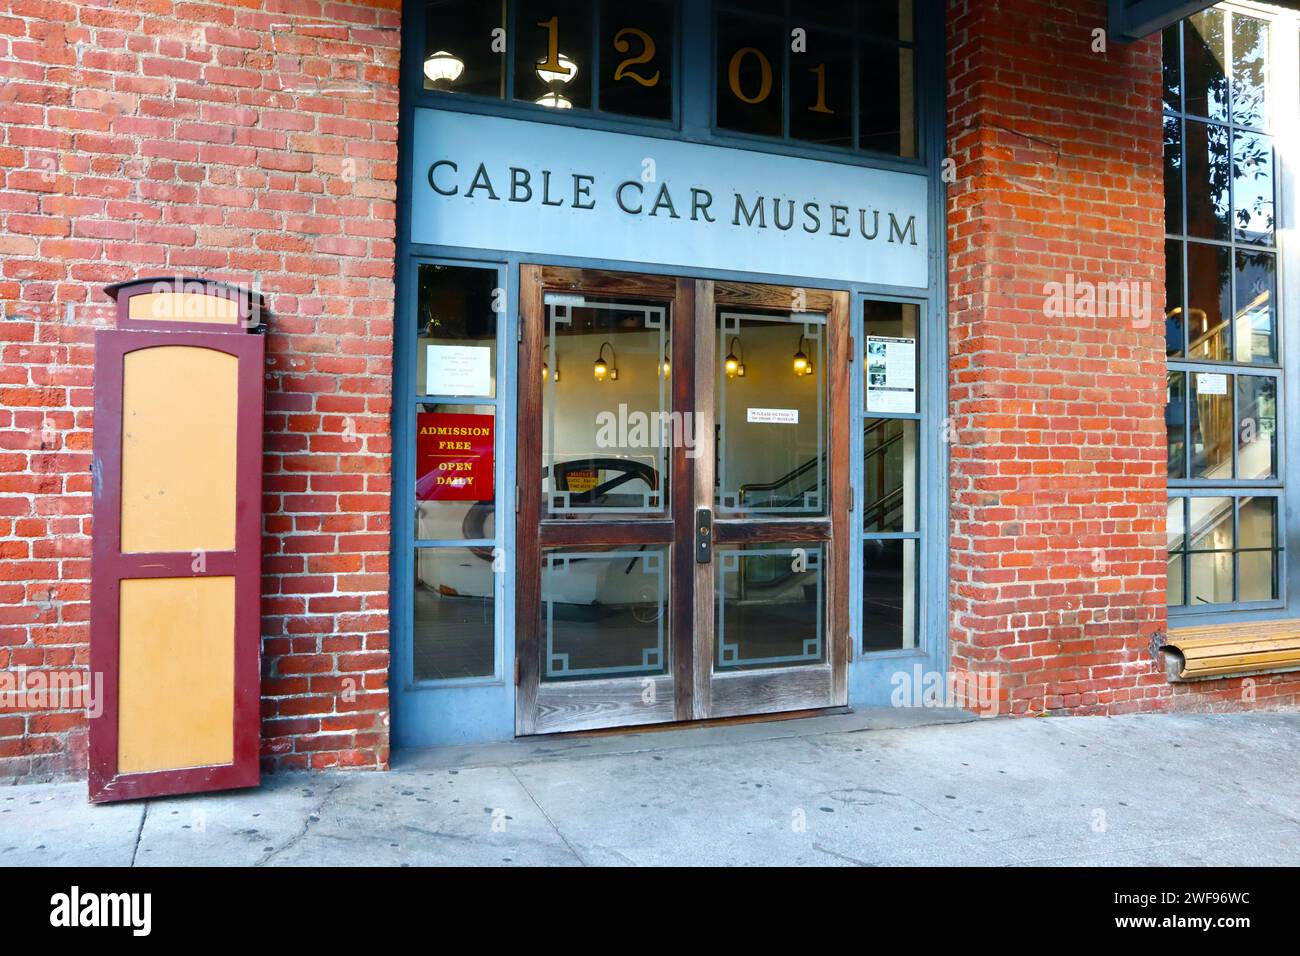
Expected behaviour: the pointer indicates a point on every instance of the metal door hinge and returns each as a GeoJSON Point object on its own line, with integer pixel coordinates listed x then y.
{"type": "Point", "coordinates": [852, 350]}
{"type": "Point", "coordinates": [516, 672]}
{"type": "Point", "coordinates": [517, 499]}
{"type": "Point", "coordinates": [850, 648]}
{"type": "Point", "coordinates": [852, 502]}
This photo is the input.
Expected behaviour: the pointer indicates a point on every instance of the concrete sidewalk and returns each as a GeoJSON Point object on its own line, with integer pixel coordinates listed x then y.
{"type": "Point", "coordinates": [1193, 790]}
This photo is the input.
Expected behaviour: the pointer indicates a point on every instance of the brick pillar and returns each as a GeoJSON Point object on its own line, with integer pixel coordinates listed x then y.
{"type": "Point", "coordinates": [1058, 462]}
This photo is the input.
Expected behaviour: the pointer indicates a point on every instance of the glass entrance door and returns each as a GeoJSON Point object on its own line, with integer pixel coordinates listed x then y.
{"type": "Point", "coordinates": [773, 374]}
{"type": "Point", "coordinates": [683, 498]}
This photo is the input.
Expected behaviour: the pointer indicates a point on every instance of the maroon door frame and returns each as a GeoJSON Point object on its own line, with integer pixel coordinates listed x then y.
{"type": "Point", "coordinates": [110, 566]}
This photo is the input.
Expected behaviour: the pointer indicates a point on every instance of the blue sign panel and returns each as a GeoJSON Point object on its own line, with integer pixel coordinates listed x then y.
{"type": "Point", "coordinates": [486, 182]}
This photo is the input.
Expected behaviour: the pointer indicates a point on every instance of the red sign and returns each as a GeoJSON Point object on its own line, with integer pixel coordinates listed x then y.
{"type": "Point", "coordinates": [453, 457]}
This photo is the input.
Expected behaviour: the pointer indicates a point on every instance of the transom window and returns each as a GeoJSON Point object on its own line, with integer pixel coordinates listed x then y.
{"type": "Point", "coordinates": [833, 73]}
{"type": "Point", "coordinates": [597, 55]}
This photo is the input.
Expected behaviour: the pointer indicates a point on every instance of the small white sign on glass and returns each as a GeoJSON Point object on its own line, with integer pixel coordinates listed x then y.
{"type": "Point", "coordinates": [1211, 383]}
{"type": "Point", "coordinates": [891, 374]}
{"type": "Point", "coordinates": [458, 370]}
{"type": "Point", "coordinates": [772, 416]}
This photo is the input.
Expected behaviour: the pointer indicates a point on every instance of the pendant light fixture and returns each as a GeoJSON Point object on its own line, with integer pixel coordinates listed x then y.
{"type": "Point", "coordinates": [443, 69]}
{"type": "Point", "coordinates": [802, 364]}
{"type": "Point", "coordinates": [557, 80]}
{"type": "Point", "coordinates": [555, 101]}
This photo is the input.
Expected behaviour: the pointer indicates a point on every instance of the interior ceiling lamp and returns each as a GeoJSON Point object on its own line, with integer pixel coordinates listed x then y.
{"type": "Point", "coordinates": [556, 80]}
{"type": "Point", "coordinates": [802, 364]}
{"type": "Point", "coordinates": [443, 69]}
{"type": "Point", "coordinates": [603, 369]}
{"type": "Point", "coordinates": [734, 367]}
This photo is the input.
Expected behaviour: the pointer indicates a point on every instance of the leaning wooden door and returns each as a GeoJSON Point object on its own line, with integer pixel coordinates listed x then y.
{"type": "Point", "coordinates": [771, 594]}
{"type": "Point", "coordinates": [604, 598]}
{"type": "Point", "coordinates": [175, 610]}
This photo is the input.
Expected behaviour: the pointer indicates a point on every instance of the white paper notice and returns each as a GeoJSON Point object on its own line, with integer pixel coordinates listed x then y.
{"type": "Point", "coordinates": [458, 370]}
{"type": "Point", "coordinates": [1211, 383]}
{"type": "Point", "coordinates": [773, 416]}
{"type": "Point", "coordinates": [891, 374]}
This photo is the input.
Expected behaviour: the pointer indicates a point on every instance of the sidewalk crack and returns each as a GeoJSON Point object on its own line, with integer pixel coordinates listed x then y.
{"type": "Point", "coordinates": [308, 820]}
{"type": "Point", "coordinates": [571, 848]}
{"type": "Point", "coordinates": [139, 833]}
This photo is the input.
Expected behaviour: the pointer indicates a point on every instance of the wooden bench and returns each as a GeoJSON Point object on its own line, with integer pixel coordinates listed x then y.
{"type": "Point", "coordinates": [1222, 650]}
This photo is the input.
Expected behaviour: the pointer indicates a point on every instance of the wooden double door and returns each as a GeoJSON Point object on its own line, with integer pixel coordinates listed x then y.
{"type": "Point", "coordinates": [683, 499]}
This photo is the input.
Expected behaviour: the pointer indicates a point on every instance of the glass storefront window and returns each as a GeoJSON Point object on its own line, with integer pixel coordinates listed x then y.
{"type": "Point", "coordinates": [1256, 419]}
{"type": "Point", "coordinates": [891, 461]}
{"type": "Point", "coordinates": [1223, 549]}
{"type": "Point", "coordinates": [1250, 63]}
{"type": "Point", "coordinates": [1176, 423]}
{"type": "Point", "coordinates": [889, 480]}
{"type": "Point", "coordinates": [1203, 64]}
{"type": "Point", "coordinates": [452, 470]}
{"type": "Point", "coordinates": [455, 614]}
{"type": "Point", "coordinates": [889, 589]}
{"type": "Point", "coordinates": [456, 327]}
{"type": "Point", "coordinates": [1222, 324]}
{"type": "Point", "coordinates": [1209, 301]}
{"type": "Point", "coordinates": [1175, 313]}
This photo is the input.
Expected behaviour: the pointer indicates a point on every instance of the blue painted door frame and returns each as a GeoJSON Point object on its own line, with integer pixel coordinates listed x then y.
{"type": "Point", "coordinates": [482, 709]}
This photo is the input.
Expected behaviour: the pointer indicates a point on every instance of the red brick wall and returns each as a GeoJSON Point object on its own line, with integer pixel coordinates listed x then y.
{"type": "Point", "coordinates": [1058, 462]}
{"type": "Point", "coordinates": [251, 141]}
{"type": "Point", "coordinates": [1058, 455]}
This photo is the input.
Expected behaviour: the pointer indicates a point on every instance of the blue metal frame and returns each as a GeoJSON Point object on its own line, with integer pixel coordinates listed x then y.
{"type": "Point", "coordinates": [871, 674]}
{"type": "Point", "coordinates": [433, 713]}
{"type": "Point", "coordinates": [1284, 58]}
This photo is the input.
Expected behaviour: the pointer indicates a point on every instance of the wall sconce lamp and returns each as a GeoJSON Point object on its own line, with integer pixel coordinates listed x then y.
{"type": "Point", "coordinates": [443, 69]}
{"type": "Point", "coordinates": [556, 80]}
{"type": "Point", "coordinates": [802, 364]}
{"type": "Point", "coordinates": [546, 370]}
{"type": "Point", "coordinates": [734, 367]}
{"type": "Point", "coordinates": [602, 369]}
{"type": "Point", "coordinates": [665, 367]}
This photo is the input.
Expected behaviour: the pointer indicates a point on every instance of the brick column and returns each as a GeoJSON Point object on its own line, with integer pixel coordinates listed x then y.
{"type": "Point", "coordinates": [1058, 461]}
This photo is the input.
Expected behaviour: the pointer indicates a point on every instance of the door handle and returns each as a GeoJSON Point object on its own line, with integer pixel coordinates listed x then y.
{"type": "Point", "coordinates": [703, 535]}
